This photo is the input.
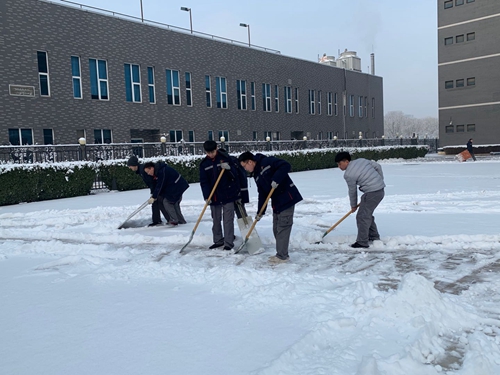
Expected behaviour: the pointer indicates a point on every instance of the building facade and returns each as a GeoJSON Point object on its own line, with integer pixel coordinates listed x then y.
{"type": "Point", "coordinates": [469, 74]}
{"type": "Point", "coordinates": [71, 72]}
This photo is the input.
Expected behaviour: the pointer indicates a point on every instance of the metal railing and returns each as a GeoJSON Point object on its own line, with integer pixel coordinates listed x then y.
{"type": "Point", "coordinates": [29, 154]}
{"type": "Point", "coordinates": [159, 24]}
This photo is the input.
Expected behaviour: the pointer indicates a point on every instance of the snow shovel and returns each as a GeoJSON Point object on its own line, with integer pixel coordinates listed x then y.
{"type": "Point", "coordinates": [254, 243]}
{"type": "Point", "coordinates": [134, 213]}
{"type": "Point", "coordinates": [202, 211]}
{"type": "Point", "coordinates": [254, 222]}
{"type": "Point", "coordinates": [335, 225]}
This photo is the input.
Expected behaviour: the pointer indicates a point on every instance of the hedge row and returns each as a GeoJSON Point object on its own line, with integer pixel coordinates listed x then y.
{"type": "Point", "coordinates": [37, 182]}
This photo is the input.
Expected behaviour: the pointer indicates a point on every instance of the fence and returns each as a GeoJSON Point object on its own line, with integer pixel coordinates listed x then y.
{"type": "Point", "coordinates": [95, 152]}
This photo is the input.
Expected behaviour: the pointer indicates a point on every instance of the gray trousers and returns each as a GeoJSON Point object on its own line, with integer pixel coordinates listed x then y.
{"type": "Point", "coordinates": [158, 206]}
{"type": "Point", "coordinates": [223, 213]}
{"type": "Point", "coordinates": [367, 229]}
{"type": "Point", "coordinates": [282, 228]}
{"type": "Point", "coordinates": [174, 211]}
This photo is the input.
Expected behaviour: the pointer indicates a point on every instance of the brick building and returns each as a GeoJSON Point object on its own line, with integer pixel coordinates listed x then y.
{"type": "Point", "coordinates": [469, 77]}
{"type": "Point", "coordinates": [71, 72]}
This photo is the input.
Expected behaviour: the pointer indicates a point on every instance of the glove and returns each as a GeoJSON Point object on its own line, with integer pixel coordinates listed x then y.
{"type": "Point", "coordinates": [274, 184]}
{"type": "Point", "coordinates": [208, 201]}
{"type": "Point", "coordinates": [151, 200]}
{"type": "Point", "coordinates": [226, 166]}
{"type": "Point", "coordinates": [258, 217]}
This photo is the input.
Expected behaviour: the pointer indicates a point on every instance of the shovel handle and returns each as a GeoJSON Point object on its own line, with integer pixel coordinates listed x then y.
{"type": "Point", "coordinates": [262, 209]}
{"type": "Point", "coordinates": [208, 200]}
{"type": "Point", "coordinates": [338, 222]}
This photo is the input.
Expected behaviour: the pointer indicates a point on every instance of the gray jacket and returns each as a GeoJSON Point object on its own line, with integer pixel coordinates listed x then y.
{"type": "Point", "coordinates": [364, 173]}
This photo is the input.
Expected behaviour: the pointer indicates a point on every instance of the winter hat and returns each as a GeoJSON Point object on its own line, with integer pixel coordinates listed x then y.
{"type": "Point", "coordinates": [133, 161]}
{"type": "Point", "coordinates": [209, 146]}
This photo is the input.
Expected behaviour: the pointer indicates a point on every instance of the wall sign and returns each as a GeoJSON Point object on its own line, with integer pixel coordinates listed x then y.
{"type": "Point", "coordinates": [21, 90]}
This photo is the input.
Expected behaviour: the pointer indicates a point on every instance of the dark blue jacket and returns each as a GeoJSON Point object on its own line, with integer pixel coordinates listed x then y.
{"type": "Point", "coordinates": [148, 180]}
{"type": "Point", "coordinates": [169, 183]}
{"type": "Point", "coordinates": [269, 169]}
{"type": "Point", "coordinates": [469, 147]}
{"type": "Point", "coordinates": [229, 187]}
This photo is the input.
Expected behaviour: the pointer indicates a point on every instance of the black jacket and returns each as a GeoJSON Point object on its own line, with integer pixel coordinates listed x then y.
{"type": "Point", "coordinates": [169, 183]}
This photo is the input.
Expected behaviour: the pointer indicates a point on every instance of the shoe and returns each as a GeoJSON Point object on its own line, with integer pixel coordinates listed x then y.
{"type": "Point", "coordinates": [374, 239]}
{"type": "Point", "coordinates": [228, 248]}
{"type": "Point", "coordinates": [182, 222]}
{"type": "Point", "coordinates": [357, 245]}
{"type": "Point", "coordinates": [275, 259]}
{"type": "Point", "coordinates": [154, 224]}
{"type": "Point", "coordinates": [171, 225]}
{"type": "Point", "coordinates": [216, 245]}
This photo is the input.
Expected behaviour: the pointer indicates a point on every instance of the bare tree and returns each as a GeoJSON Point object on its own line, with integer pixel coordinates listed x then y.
{"type": "Point", "coordinates": [396, 124]}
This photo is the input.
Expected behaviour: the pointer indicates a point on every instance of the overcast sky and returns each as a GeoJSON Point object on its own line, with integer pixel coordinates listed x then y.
{"type": "Point", "coordinates": [402, 34]}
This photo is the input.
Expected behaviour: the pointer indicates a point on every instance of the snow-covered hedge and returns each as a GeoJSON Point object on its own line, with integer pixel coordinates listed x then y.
{"type": "Point", "coordinates": [36, 182]}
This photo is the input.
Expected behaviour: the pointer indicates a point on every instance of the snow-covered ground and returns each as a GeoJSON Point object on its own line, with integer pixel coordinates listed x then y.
{"type": "Point", "coordinates": [78, 296]}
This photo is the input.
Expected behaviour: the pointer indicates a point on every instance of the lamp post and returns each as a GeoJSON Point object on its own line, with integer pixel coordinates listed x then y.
{"type": "Point", "coordinates": [268, 140]}
{"type": "Point", "coordinates": [222, 140]}
{"type": "Point", "coordinates": [401, 139]}
{"type": "Point", "coordinates": [383, 140]}
{"type": "Point", "coordinates": [335, 140]}
{"type": "Point", "coordinates": [248, 27]}
{"type": "Point", "coordinates": [82, 141]}
{"type": "Point", "coordinates": [190, 18]}
{"type": "Point", "coordinates": [142, 13]}
{"type": "Point", "coordinates": [163, 141]}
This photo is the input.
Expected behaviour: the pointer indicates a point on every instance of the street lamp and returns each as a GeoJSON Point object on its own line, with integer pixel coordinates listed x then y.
{"type": "Point", "coordinates": [190, 18]}
{"type": "Point", "coordinates": [163, 141]}
{"type": "Point", "coordinates": [82, 141]}
{"type": "Point", "coordinates": [248, 27]}
{"type": "Point", "coordinates": [142, 13]}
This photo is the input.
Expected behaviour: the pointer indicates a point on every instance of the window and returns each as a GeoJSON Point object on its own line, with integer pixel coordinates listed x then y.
{"type": "Point", "coordinates": [312, 103]}
{"type": "Point", "coordinates": [151, 85]}
{"type": "Point", "coordinates": [288, 99]}
{"type": "Point", "coordinates": [210, 135]}
{"type": "Point", "coordinates": [448, 85]}
{"type": "Point", "coordinates": [470, 1]}
{"type": "Point", "coordinates": [175, 135]}
{"type": "Point", "coordinates": [360, 107]}
{"type": "Point", "coordinates": [336, 105]}
{"type": "Point", "coordinates": [276, 99]}
{"type": "Point", "coordinates": [173, 87]}
{"type": "Point", "coordinates": [351, 105]}
{"type": "Point", "coordinates": [241, 94]}
{"type": "Point", "coordinates": [43, 73]}
{"type": "Point", "coordinates": [459, 2]}
{"type": "Point", "coordinates": [448, 41]}
{"type": "Point", "coordinates": [132, 83]}
{"type": "Point", "coordinates": [76, 72]}
{"type": "Point", "coordinates": [225, 134]}
{"type": "Point", "coordinates": [460, 38]}
{"type": "Point", "coordinates": [373, 107]}
{"type": "Point", "coordinates": [19, 137]}
{"type": "Point", "coordinates": [268, 134]}
{"type": "Point", "coordinates": [252, 93]}
{"type": "Point", "coordinates": [460, 83]}
{"type": "Point", "coordinates": [471, 36]}
{"type": "Point", "coordinates": [330, 104]}
{"type": "Point", "coordinates": [471, 81]}
{"type": "Point", "coordinates": [296, 100]}
{"type": "Point", "coordinates": [471, 127]}
{"type": "Point", "coordinates": [191, 136]}
{"type": "Point", "coordinates": [449, 129]}
{"type": "Point", "coordinates": [189, 93]}
{"type": "Point", "coordinates": [98, 79]}
{"type": "Point", "coordinates": [266, 97]}
{"type": "Point", "coordinates": [255, 135]}
{"type": "Point", "coordinates": [329, 135]}
{"type": "Point", "coordinates": [448, 4]}
{"type": "Point", "coordinates": [319, 102]}
{"type": "Point", "coordinates": [221, 92]}
{"type": "Point", "coordinates": [48, 137]}
{"type": "Point", "coordinates": [208, 92]}
{"type": "Point", "coordinates": [102, 136]}
{"type": "Point", "coordinates": [366, 106]}
{"type": "Point", "coordinates": [460, 128]}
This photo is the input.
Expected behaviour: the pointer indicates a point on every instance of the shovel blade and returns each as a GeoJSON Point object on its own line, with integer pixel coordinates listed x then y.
{"type": "Point", "coordinates": [254, 244]}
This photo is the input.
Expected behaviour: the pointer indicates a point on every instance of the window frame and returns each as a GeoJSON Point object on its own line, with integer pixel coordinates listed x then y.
{"type": "Point", "coordinates": [208, 91]}
{"type": "Point", "coordinates": [173, 87]}
{"type": "Point", "coordinates": [241, 94]}
{"type": "Point", "coordinates": [329, 110]}
{"type": "Point", "coordinates": [131, 84]}
{"type": "Point", "coordinates": [188, 81]}
{"type": "Point", "coordinates": [151, 84]}
{"type": "Point", "coordinates": [312, 102]}
{"type": "Point", "coordinates": [266, 97]}
{"type": "Point", "coordinates": [97, 80]}
{"type": "Point", "coordinates": [288, 98]}
{"type": "Point", "coordinates": [77, 78]}
{"type": "Point", "coordinates": [221, 92]}
{"type": "Point", "coordinates": [43, 75]}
